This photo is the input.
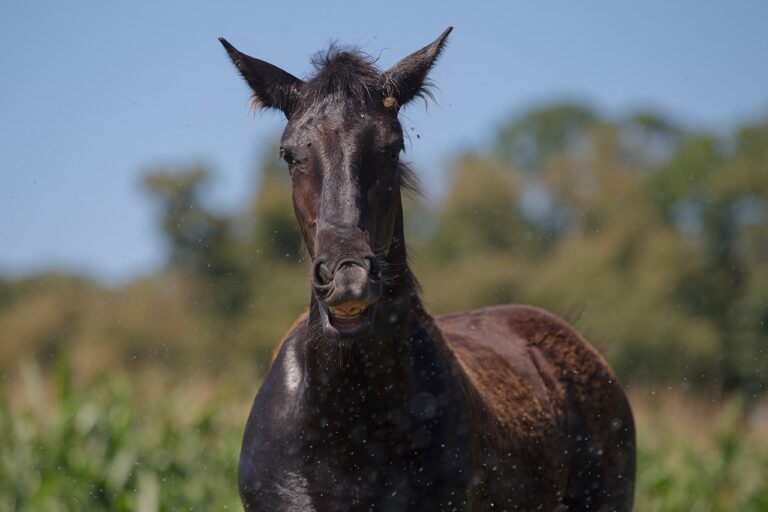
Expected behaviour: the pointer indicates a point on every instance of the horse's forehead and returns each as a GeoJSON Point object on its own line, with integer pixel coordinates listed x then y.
{"type": "Point", "coordinates": [334, 116]}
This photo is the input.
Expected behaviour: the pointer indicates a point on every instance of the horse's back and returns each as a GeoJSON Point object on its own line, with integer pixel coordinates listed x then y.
{"type": "Point", "coordinates": [555, 396]}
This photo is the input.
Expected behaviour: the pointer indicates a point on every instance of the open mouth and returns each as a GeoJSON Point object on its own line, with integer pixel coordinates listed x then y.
{"type": "Point", "coordinates": [350, 319]}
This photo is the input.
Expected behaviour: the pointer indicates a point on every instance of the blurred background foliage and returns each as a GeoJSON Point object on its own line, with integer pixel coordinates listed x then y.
{"type": "Point", "coordinates": [650, 236]}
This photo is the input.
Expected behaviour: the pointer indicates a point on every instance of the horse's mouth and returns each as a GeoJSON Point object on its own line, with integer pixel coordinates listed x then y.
{"type": "Point", "coordinates": [348, 320]}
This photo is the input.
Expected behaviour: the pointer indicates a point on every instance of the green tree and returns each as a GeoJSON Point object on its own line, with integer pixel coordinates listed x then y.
{"type": "Point", "coordinates": [481, 212]}
{"type": "Point", "coordinates": [527, 141]}
{"type": "Point", "coordinates": [716, 193]}
{"type": "Point", "coordinates": [202, 244]}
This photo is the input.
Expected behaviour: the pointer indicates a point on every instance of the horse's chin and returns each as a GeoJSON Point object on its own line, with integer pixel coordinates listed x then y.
{"type": "Point", "coordinates": [335, 327]}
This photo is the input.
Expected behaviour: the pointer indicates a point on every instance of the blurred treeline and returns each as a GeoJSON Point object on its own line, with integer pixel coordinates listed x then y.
{"type": "Point", "coordinates": [652, 237]}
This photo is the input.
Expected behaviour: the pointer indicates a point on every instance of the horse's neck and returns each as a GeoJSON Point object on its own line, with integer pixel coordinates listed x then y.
{"type": "Point", "coordinates": [373, 374]}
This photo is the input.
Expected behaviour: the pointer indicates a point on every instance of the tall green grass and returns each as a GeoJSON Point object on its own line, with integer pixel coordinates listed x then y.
{"type": "Point", "coordinates": [116, 442]}
{"type": "Point", "coordinates": [115, 445]}
{"type": "Point", "coordinates": [699, 457]}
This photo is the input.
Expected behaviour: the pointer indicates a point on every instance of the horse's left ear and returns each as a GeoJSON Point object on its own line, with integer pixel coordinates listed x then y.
{"type": "Point", "coordinates": [408, 78]}
{"type": "Point", "coordinates": [272, 87]}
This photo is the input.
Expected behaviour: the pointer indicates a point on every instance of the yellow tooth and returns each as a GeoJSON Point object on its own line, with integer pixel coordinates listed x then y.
{"type": "Point", "coordinates": [351, 311]}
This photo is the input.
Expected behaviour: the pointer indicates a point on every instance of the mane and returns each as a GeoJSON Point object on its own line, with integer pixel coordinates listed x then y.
{"type": "Point", "coordinates": [343, 70]}
{"type": "Point", "coordinates": [409, 180]}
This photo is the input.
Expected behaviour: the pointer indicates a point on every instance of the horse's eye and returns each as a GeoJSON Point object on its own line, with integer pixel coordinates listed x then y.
{"type": "Point", "coordinates": [393, 153]}
{"type": "Point", "coordinates": [287, 156]}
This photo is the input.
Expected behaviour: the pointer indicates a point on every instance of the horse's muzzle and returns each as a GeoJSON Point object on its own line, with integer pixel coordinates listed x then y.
{"type": "Point", "coordinates": [347, 296]}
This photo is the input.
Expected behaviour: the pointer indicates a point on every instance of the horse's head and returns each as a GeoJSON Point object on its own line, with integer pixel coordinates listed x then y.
{"type": "Point", "coordinates": [342, 146]}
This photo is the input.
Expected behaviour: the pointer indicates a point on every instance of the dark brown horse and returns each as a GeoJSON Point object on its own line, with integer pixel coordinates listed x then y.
{"type": "Point", "coordinates": [370, 403]}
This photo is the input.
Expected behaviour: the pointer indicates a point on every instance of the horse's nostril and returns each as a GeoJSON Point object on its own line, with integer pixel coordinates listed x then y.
{"type": "Point", "coordinates": [323, 274]}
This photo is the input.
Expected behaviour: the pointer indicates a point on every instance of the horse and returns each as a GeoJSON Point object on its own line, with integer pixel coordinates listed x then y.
{"type": "Point", "coordinates": [370, 403]}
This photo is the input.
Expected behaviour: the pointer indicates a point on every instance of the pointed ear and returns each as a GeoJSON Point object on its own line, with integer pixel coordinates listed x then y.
{"type": "Point", "coordinates": [408, 78]}
{"type": "Point", "coordinates": [272, 87]}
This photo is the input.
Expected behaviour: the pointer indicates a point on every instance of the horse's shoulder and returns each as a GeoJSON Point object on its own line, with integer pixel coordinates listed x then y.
{"type": "Point", "coordinates": [298, 325]}
{"type": "Point", "coordinates": [280, 386]}
{"type": "Point", "coordinates": [271, 426]}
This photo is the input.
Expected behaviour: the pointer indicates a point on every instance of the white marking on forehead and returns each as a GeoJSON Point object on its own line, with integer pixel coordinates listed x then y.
{"type": "Point", "coordinates": [339, 192]}
{"type": "Point", "coordinates": [348, 193]}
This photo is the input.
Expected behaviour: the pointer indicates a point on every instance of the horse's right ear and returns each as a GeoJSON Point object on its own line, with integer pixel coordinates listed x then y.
{"type": "Point", "coordinates": [272, 87]}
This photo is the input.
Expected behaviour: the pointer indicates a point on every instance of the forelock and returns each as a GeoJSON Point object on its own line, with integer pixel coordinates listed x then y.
{"type": "Point", "coordinates": [344, 71]}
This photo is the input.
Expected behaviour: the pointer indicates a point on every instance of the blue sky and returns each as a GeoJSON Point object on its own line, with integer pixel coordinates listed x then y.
{"type": "Point", "coordinates": [93, 94]}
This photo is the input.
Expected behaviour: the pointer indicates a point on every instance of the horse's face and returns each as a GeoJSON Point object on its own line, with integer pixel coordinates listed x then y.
{"type": "Point", "coordinates": [342, 146]}
{"type": "Point", "coordinates": [343, 161]}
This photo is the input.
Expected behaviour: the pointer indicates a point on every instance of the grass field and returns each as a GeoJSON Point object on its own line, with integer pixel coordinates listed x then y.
{"type": "Point", "coordinates": [117, 442]}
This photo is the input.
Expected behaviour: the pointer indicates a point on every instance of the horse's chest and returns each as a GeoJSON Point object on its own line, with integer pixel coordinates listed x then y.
{"type": "Point", "coordinates": [419, 466]}
{"type": "Point", "coordinates": [392, 486]}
